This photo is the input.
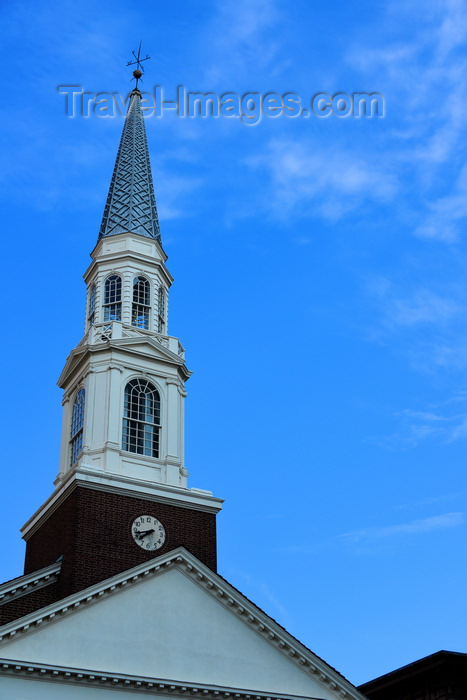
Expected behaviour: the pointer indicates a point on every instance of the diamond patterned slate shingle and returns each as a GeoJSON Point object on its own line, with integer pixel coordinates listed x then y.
{"type": "Point", "coordinates": [131, 204]}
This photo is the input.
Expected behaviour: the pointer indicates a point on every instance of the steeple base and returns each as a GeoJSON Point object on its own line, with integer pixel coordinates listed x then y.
{"type": "Point", "coordinates": [87, 523]}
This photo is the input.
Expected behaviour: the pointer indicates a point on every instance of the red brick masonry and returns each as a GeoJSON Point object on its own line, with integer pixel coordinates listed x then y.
{"type": "Point", "coordinates": [28, 603]}
{"type": "Point", "coordinates": [91, 531]}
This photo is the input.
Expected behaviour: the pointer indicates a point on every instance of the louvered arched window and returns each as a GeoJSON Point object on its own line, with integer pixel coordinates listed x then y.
{"type": "Point", "coordinates": [141, 418]}
{"type": "Point", "coordinates": [92, 305]}
{"type": "Point", "coordinates": [113, 298]}
{"type": "Point", "coordinates": [161, 310]}
{"type": "Point", "coordinates": [77, 425]}
{"type": "Point", "coordinates": [141, 303]}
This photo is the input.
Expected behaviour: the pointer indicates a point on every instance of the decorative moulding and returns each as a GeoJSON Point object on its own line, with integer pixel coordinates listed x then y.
{"type": "Point", "coordinates": [89, 477]}
{"type": "Point", "coordinates": [219, 589]}
{"type": "Point", "coordinates": [23, 585]}
{"type": "Point", "coordinates": [151, 686]}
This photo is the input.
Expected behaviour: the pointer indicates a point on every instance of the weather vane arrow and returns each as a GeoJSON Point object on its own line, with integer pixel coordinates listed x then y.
{"type": "Point", "coordinates": [139, 70]}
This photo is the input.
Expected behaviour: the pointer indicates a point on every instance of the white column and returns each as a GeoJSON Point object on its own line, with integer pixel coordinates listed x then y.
{"type": "Point", "coordinates": [64, 451]}
{"type": "Point", "coordinates": [173, 458]}
{"type": "Point", "coordinates": [183, 470]}
{"type": "Point", "coordinates": [98, 414]}
{"type": "Point", "coordinates": [127, 296]}
{"type": "Point", "coordinates": [113, 404]}
{"type": "Point", "coordinates": [173, 421]}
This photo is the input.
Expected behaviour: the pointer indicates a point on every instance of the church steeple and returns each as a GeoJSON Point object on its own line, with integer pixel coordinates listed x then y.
{"type": "Point", "coordinates": [122, 476]}
{"type": "Point", "coordinates": [131, 204]}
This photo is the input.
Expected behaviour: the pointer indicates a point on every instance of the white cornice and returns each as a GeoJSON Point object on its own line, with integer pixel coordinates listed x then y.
{"type": "Point", "coordinates": [130, 346]}
{"type": "Point", "coordinates": [23, 585]}
{"type": "Point", "coordinates": [158, 258]}
{"type": "Point", "coordinates": [119, 681]}
{"type": "Point", "coordinates": [126, 258]}
{"type": "Point", "coordinates": [215, 586]}
{"type": "Point", "coordinates": [153, 241]}
{"type": "Point", "coordinates": [88, 477]}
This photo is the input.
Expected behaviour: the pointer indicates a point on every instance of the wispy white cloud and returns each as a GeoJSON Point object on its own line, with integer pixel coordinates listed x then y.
{"type": "Point", "coordinates": [323, 179]}
{"type": "Point", "coordinates": [459, 432]}
{"type": "Point", "coordinates": [423, 415]}
{"type": "Point", "coordinates": [172, 192]}
{"type": "Point", "coordinates": [431, 500]}
{"type": "Point", "coordinates": [414, 527]}
{"type": "Point", "coordinates": [424, 321]}
{"type": "Point", "coordinates": [401, 307]}
{"type": "Point", "coordinates": [302, 240]}
{"type": "Point", "coordinates": [446, 213]}
{"type": "Point", "coordinates": [452, 31]}
{"type": "Point", "coordinates": [424, 307]}
{"type": "Point", "coordinates": [242, 33]}
{"type": "Point", "coordinates": [437, 424]}
{"type": "Point", "coordinates": [259, 589]}
{"type": "Point", "coordinates": [418, 426]}
{"type": "Point", "coordinates": [370, 539]}
{"type": "Point", "coordinates": [424, 81]}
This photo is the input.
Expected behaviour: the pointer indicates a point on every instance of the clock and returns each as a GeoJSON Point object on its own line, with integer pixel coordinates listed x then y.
{"type": "Point", "coordinates": [148, 532]}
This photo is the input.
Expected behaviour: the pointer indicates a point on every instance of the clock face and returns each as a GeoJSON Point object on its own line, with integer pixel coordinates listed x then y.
{"type": "Point", "coordinates": [148, 532]}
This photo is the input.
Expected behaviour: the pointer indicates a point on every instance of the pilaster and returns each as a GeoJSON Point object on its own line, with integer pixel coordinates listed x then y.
{"type": "Point", "coordinates": [64, 444]}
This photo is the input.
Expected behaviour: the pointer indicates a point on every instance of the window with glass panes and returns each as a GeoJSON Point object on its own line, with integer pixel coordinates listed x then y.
{"type": "Point", "coordinates": [113, 298]}
{"type": "Point", "coordinates": [141, 303]}
{"type": "Point", "coordinates": [141, 418]}
{"type": "Point", "coordinates": [77, 425]}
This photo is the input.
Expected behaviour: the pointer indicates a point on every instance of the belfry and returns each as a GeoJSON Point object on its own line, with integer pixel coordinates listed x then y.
{"type": "Point", "coordinates": [120, 591]}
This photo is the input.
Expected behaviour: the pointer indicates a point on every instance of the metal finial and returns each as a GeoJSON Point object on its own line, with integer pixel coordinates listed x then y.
{"type": "Point", "coordinates": [139, 70]}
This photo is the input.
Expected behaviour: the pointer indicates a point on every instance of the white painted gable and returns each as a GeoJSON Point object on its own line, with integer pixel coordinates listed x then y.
{"type": "Point", "coordinates": [174, 624]}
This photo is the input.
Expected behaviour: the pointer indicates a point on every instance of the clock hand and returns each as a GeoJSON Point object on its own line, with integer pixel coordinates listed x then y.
{"type": "Point", "coordinates": [143, 533]}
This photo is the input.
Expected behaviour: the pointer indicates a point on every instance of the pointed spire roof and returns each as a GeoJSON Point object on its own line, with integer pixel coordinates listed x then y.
{"type": "Point", "coordinates": [131, 204]}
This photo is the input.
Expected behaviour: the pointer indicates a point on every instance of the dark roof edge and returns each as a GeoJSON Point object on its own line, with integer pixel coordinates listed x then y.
{"type": "Point", "coordinates": [404, 671]}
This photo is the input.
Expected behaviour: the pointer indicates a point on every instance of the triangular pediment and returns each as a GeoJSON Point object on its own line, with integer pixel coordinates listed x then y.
{"type": "Point", "coordinates": [141, 346]}
{"type": "Point", "coordinates": [150, 345]}
{"type": "Point", "coordinates": [173, 618]}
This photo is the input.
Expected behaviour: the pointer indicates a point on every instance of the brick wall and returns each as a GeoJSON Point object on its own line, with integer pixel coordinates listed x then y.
{"type": "Point", "coordinates": [91, 531]}
{"type": "Point", "coordinates": [28, 603]}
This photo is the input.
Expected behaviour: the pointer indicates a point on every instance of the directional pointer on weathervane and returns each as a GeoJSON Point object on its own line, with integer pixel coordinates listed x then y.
{"type": "Point", "coordinates": [139, 70]}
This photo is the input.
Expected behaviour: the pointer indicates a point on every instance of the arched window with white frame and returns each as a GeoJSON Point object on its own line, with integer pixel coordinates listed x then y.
{"type": "Point", "coordinates": [141, 303]}
{"type": "Point", "coordinates": [141, 418]}
{"type": "Point", "coordinates": [77, 426]}
{"type": "Point", "coordinates": [113, 298]}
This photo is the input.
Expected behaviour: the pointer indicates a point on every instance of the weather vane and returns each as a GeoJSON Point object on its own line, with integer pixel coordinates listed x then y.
{"type": "Point", "coordinates": [139, 70]}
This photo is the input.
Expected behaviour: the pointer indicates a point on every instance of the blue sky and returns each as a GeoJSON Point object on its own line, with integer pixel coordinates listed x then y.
{"type": "Point", "coordinates": [320, 292]}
